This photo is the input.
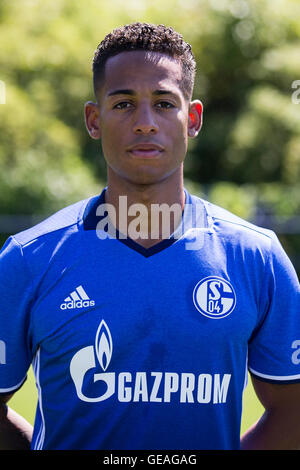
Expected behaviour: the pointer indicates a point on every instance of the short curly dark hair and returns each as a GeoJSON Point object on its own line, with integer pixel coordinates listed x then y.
{"type": "Point", "coordinates": [147, 37]}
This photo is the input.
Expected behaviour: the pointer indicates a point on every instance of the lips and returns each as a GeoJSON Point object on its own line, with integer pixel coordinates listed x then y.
{"type": "Point", "coordinates": [145, 150]}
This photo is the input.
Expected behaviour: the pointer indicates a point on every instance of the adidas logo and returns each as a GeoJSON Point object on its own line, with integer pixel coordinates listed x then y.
{"type": "Point", "coordinates": [77, 299]}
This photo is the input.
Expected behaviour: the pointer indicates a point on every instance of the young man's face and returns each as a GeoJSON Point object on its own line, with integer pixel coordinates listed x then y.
{"type": "Point", "coordinates": [142, 117]}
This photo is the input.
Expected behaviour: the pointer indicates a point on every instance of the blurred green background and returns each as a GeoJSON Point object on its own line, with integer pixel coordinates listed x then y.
{"type": "Point", "coordinates": [246, 158]}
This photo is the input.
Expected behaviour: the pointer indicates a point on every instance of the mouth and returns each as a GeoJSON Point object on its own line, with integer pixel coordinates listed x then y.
{"type": "Point", "coordinates": [145, 150]}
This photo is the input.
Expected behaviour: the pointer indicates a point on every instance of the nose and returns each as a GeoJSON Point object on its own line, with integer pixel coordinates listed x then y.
{"type": "Point", "coordinates": [145, 122]}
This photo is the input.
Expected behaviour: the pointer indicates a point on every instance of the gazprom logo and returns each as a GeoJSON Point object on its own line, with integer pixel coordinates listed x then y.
{"type": "Point", "coordinates": [89, 358]}
{"type": "Point", "coordinates": [154, 387]}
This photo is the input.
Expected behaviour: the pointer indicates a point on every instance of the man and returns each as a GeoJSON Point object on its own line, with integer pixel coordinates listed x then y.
{"type": "Point", "coordinates": [141, 334]}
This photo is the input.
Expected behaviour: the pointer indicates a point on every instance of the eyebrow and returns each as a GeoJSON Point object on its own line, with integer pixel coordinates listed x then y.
{"type": "Point", "coordinates": [121, 92]}
{"type": "Point", "coordinates": [132, 92]}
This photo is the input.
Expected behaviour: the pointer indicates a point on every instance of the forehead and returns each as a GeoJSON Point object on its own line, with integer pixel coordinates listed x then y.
{"type": "Point", "coordinates": [142, 69]}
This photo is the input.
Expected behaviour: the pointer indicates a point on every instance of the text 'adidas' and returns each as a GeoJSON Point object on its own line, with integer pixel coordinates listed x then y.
{"type": "Point", "coordinates": [77, 299]}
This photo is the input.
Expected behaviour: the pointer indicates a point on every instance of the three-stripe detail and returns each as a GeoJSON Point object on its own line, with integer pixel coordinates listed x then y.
{"type": "Point", "coordinates": [77, 294]}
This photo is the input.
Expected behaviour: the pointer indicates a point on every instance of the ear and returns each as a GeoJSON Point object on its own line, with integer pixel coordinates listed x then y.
{"type": "Point", "coordinates": [195, 118]}
{"type": "Point", "coordinates": [92, 121]}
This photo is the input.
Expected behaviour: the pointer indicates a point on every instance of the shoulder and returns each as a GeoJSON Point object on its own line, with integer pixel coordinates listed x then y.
{"type": "Point", "coordinates": [30, 251]}
{"type": "Point", "coordinates": [232, 227]}
{"type": "Point", "coordinates": [55, 225]}
{"type": "Point", "coordinates": [252, 242]}
{"type": "Point", "coordinates": [45, 237]}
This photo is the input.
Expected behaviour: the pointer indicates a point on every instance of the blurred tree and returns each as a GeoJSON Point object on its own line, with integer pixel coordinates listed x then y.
{"type": "Point", "coordinates": [247, 55]}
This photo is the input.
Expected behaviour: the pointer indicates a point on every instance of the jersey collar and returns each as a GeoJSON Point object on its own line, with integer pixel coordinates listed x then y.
{"type": "Point", "coordinates": [190, 218]}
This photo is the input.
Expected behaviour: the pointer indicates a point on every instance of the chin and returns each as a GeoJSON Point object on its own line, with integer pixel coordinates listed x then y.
{"type": "Point", "coordinates": [148, 178]}
{"type": "Point", "coordinates": [143, 174]}
{"type": "Point", "coordinates": [145, 180]}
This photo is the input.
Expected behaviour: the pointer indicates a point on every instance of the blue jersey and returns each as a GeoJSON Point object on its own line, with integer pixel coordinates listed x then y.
{"type": "Point", "coordinates": [136, 348]}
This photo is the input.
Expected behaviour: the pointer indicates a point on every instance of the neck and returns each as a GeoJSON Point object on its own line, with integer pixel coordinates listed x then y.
{"type": "Point", "coordinates": [148, 213]}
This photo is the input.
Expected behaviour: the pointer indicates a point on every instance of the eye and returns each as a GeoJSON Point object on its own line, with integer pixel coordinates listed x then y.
{"type": "Point", "coordinates": [165, 105]}
{"type": "Point", "coordinates": [122, 105]}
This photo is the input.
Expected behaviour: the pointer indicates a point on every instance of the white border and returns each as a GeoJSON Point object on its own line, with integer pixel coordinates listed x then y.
{"type": "Point", "coordinates": [275, 377]}
{"type": "Point", "coordinates": [39, 441]}
{"type": "Point", "coordinates": [15, 387]}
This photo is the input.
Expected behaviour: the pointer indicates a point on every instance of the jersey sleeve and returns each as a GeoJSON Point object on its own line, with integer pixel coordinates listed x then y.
{"type": "Point", "coordinates": [274, 349]}
{"type": "Point", "coordinates": [15, 354]}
